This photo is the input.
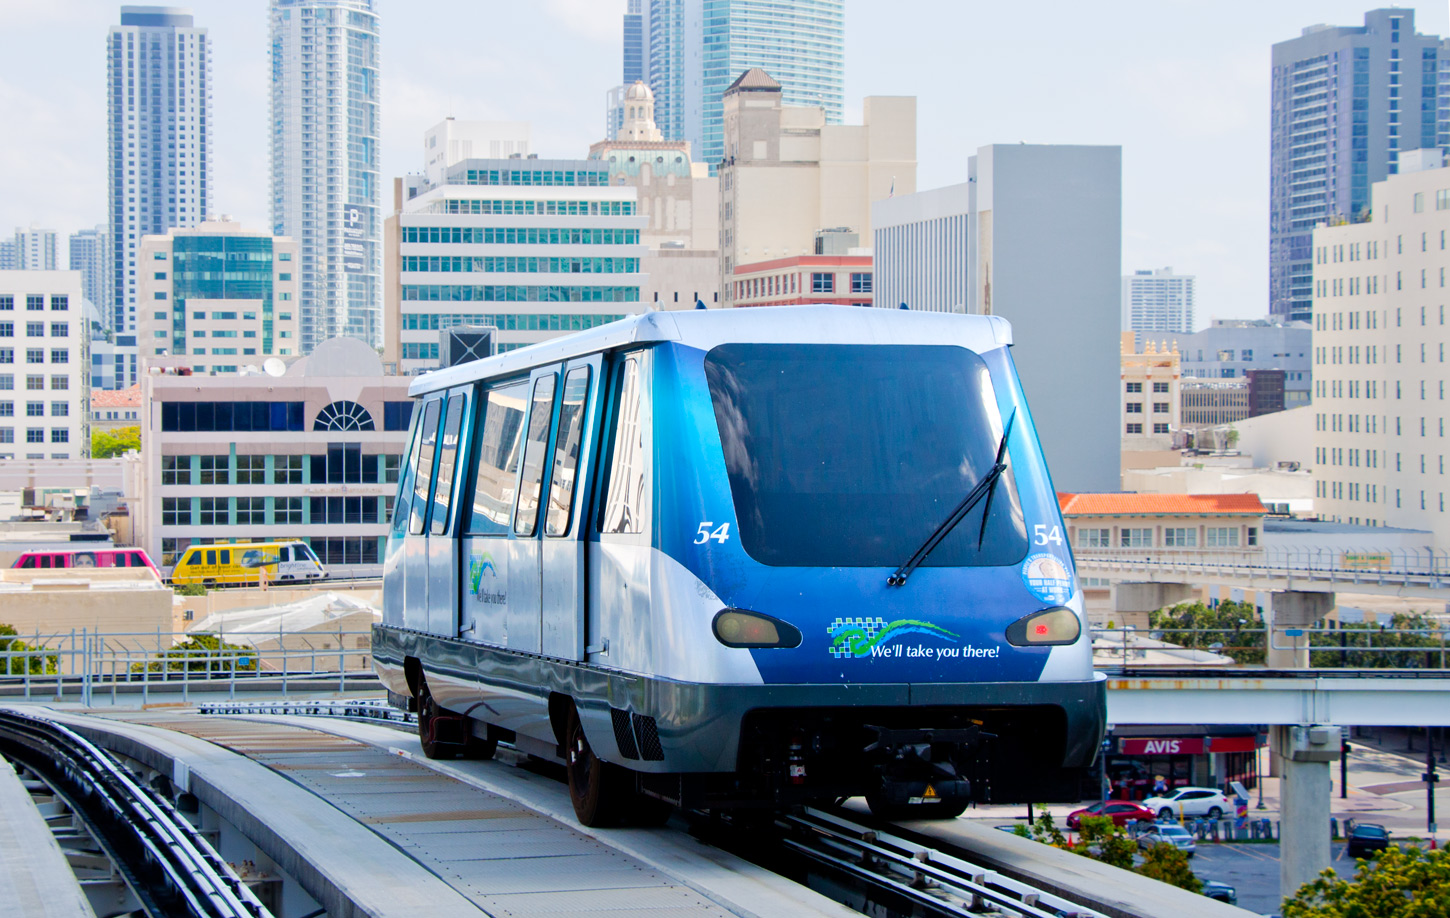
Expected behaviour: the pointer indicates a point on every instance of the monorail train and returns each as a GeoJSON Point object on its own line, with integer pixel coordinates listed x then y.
{"type": "Point", "coordinates": [744, 558]}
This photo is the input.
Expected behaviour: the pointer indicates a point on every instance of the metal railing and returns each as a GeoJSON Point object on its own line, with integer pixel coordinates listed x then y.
{"type": "Point", "coordinates": [1423, 566]}
{"type": "Point", "coordinates": [88, 665]}
{"type": "Point", "coordinates": [1344, 648]}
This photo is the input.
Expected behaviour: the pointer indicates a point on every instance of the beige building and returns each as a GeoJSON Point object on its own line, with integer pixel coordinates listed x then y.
{"type": "Point", "coordinates": [218, 296]}
{"type": "Point", "coordinates": [1163, 524]}
{"type": "Point", "coordinates": [680, 199]}
{"type": "Point", "coordinates": [112, 409]}
{"type": "Point", "coordinates": [1150, 391]}
{"type": "Point", "coordinates": [787, 175]}
{"type": "Point", "coordinates": [1380, 337]}
{"type": "Point", "coordinates": [1214, 403]}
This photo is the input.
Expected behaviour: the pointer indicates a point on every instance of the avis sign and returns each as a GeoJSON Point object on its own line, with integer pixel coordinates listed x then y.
{"type": "Point", "coordinates": [1184, 746]}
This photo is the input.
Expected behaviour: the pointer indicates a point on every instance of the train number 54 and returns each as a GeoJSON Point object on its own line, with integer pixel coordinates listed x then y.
{"type": "Point", "coordinates": [1045, 535]}
{"type": "Point", "coordinates": [720, 534]}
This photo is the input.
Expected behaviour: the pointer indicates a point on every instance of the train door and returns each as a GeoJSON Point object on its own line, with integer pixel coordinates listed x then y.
{"type": "Point", "coordinates": [563, 544]}
{"type": "Point", "coordinates": [394, 573]}
{"type": "Point", "coordinates": [497, 444]}
{"type": "Point", "coordinates": [442, 534]}
{"type": "Point", "coordinates": [525, 573]}
{"type": "Point", "coordinates": [415, 542]}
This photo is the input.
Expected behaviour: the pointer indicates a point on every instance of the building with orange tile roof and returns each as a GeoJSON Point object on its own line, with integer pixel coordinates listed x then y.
{"type": "Point", "coordinates": [1163, 523]}
{"type": "Point", "coordinates": [112, 409]}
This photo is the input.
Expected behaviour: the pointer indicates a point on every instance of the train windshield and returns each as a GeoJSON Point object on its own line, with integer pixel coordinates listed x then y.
{"type": "Point", "coordinates": [844, 455]}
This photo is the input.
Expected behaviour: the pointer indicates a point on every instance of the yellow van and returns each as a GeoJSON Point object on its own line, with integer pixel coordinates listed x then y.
{"type": "Point", "coordinates": [243, 562]}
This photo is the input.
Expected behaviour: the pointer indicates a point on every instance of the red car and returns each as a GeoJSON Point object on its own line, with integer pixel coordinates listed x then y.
{"type": "Point", "coordinates": [1121, 812]}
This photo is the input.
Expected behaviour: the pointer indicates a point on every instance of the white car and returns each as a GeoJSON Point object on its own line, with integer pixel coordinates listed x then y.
{"type": "Point", "coordinates": [1177, 836]}
{"type": "Point", "coordinates": [1190, 801]}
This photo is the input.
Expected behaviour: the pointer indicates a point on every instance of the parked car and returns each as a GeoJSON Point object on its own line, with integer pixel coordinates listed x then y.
{"type": "Point", "coordinates": [1190, 801]}
{"type": "Point", "coordinates": [1220, 891]}
{"type": "Point", "coordinates": [1367, 838]}
{"type": "Point", "coordinates": [1122, 812]}
{"type": "Point", "coordinates": [1177, 836]}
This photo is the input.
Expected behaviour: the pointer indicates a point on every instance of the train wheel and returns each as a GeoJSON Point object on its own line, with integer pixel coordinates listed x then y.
{"type": "Point", "coordinates": [596, 787]}
{"type": "Point", "coordinates": [428, 714]}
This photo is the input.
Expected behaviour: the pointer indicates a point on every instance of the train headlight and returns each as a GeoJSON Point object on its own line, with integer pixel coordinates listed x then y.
{"type": "Point", "coordinates": [741, 628]}
{"type": "Point", "coordinates": [1058, 625]}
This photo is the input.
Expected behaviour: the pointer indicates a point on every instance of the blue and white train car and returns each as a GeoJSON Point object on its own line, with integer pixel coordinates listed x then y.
{"type": "Point", "coordinates": [742, 558]}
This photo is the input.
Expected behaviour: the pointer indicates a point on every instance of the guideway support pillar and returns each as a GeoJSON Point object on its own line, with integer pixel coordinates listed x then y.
{"type": "Point", "coordinates": [1304, 794]}
{"type": "Point", "coordinates": [1291, 610]}
{"type": "Point", "coordinates": [1133, 601]}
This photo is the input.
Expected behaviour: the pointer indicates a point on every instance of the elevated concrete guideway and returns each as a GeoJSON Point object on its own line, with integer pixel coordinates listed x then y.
{"type": "Point", "coordinates": [1292, 698]}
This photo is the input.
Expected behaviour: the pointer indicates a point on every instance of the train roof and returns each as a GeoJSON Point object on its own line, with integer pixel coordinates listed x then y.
{"type": "Point", "coordinates": [706, 328]}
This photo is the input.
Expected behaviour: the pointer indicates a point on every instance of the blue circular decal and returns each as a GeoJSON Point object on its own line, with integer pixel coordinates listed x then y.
{"type": "Point", "coordinates": [1047, 578]}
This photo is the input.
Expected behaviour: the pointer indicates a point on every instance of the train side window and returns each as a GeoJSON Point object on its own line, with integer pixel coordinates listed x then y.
{"type": "Point", "coordinates": [28, 562]}
{"type": "Point", "coordinates": [226, 556]}
{"type": "Point", "coordinates": [566, 453]}
{"type": "Point", "coordinates": [526, 514]}
{"type": "Point", "coordinates": [499, 436]}
{"type": "Point", "coordinates": [443, 493]}
{"type": "Point", "coordinates": [211, 557]}
{"type": "Point", "coordinates": [624, 492]}
{"type": "Point", "coordinates": [424, 476]}
{"type": "Point", "coordinates": [403, 504]}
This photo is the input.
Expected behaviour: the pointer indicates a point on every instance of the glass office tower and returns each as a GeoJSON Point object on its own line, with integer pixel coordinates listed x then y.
{"type": "Point", "coordinates": [325, 161]}
{"type": "Point", "coordinates": [698, 47]}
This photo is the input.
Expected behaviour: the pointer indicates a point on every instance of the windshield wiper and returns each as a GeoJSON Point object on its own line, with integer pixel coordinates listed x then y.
{"type": "Point", "coordinates": [981, 489]}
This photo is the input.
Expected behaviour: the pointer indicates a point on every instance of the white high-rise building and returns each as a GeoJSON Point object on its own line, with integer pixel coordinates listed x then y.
{"type": "Point", "coordinates": [35, 249]}
{"type": "Point", "coordinates": [159, 129]}
{"type": "Point", "coordinates": [44, 383]}
{"type": "Point", "coordinates": [1158, 301]}
{"type": "Point", "coordinates": [1380, 337]}
{"type": "Point", "coordinates": [325, 160]}
{"type": "Point", "coordinates": [90, 254]}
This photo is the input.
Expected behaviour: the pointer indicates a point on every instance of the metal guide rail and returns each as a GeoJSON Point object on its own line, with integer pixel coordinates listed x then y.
{"type": "Point", "coordinates": [935, 883]}
{"type": "Point", "coordinates": [371, 710]}
{"type": "Point", "coordinates": [168, 865]}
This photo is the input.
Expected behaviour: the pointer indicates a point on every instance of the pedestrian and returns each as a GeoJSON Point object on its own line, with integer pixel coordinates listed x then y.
{"type": "Point", "coordinates": [1160, 786]}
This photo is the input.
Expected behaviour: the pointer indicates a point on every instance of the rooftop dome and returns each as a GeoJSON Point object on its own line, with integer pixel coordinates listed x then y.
{"type": "Point", "coordinates": [638, 92]}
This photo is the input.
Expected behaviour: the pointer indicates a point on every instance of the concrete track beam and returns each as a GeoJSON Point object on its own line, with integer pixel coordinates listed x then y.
{"type": "Point", "coordinates": [1133, 601]}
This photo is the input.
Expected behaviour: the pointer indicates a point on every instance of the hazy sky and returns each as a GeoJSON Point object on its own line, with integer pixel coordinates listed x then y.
{"type": "Point", "coordinates": [1182, 85]}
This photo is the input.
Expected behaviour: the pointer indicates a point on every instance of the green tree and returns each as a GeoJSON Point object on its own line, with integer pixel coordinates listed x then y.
{"type": "Point", "coordinates": [1169, 864]}
{"type": "Point", "coordinates": [1416, 642]}
{"type": "Point", "coordinates": [1103, 840]}
{"type": "Point", "coordinates": [203, 653]}
{"type": "Point", "coordinates": [36, 663]}
{"type": "Point", "coordinates": [1399, 883]}
{"type": "Point", "coordinates": [1235, 625]}
{"type": "Point", "coordinates": [107, 444]}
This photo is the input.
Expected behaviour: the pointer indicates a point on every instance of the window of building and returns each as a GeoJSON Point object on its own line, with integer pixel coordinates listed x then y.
{"type": "Point", "coordinates": [251, 511]}
{"type": "Point", "coordinates": [34, 303]}
{"type": "Point", "coordinates": [287, 511]}
{"type": "Point", "coordinates": [35, 409]}
{"type": "Point", "coordinates": [59, 329]}
{"type": "Point", "coordinates": [35, 355]}
{"type": "Point", "coordinates": [215, 470]}
{"type": "Point", "coordinates": [35, 435]}
{"type": "Point", "coordinates": [185, 417]}
{"type": "Point", "coordinates": [860, 282]}
{"type": "Point", "coordinates": [59, 435]}
{"type": "Point", "coordinates": [176, 511]}
{"type": "Point", "coordinates": [59, 355]}
{"type": "Point", "coordinates": [336, 551]}
{"type": "Point", "coordinates": [176, 470]}
{"type": "Point", "coordinates": [287, 469]}
{"type": "Point", "coordinates": [60, 382]}
{"type": "Point", "coordinates": [1222, 537]}
{"type": "Point", "coordinates": [215, 511]}
{"type": "Point", "coordinates": [35, 383]}
{"type": "Point", "coordinates": [1134, 407]}
{"type": "Point", "coordinates": [1180, 537]}
{"type": "Point", "coordinates": [1135, 428]}
{"type": "Point", "coordinates": [1135, 387]}
{"type": "Point", "coordinates": [1160, 428]}
{"type": "Point", "coordinates": [1160, 408]}
{"type": "Point", "coordinates": [1135, 538]}
{"type": "Point", "coordinates": [60, 409]}
{"type": "Point", "coordinates": [251, 470]}
{"type": "Point", "coordinates": [1093, 538]}
{"type": "Point", "coordinates": [823, 282]}
{"type": "Point", "coordinates": [1160, 387]}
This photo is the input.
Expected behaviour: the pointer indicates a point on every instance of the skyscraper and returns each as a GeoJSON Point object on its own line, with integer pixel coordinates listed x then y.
{"type": "Point", "coordinates": [159, 126]}
{"type": "Point", "coordinates": [636, 64]}
{"type": "Point", "coordinates": [31, 250]}
{"type": "Point", "coordinates": [90, 255]}
{"type": "Point", "coordinates": [325, 161]}
{"type": "Point", "coordinates": [698, 47]}
{"type": "Point", "coordinates": [1346, 102]}
{"type": "Point", "coordinates": [1158, 301]}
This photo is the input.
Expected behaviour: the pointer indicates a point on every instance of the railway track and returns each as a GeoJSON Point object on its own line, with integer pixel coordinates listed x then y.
{"type": "Point", "coordinates": [169, 867]}
{"type": "Point", "coordinates": [867, 868]}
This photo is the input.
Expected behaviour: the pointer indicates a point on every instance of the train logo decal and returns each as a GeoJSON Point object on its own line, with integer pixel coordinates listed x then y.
{"type": "Point", "coordinates": [489, 590]}
{"type": "Point", "coordinates": [867, 637]}
{"type": "Point", "coordinates": [1047, 578]}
